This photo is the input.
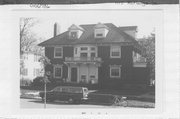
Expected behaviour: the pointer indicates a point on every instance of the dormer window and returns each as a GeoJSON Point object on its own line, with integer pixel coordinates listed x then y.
{"type": "Point", "coordinates": [99, 35]}
{"type": "Point", "coordinates": [100, 30]}
{"type": "Point", "coordinates": [73, 34]}
{"type": "Point", "coordinates": [75, 31]}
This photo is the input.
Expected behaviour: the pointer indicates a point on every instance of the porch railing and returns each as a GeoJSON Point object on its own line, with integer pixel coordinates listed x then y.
{"type": "Point", "coordinates": [139, 60]}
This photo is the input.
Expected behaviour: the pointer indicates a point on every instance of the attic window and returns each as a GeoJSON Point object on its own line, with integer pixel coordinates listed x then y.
{"type": "Point", "coordinates": [73, 34]}
{"type": "Point", "coordinates": [99, 34]}
{"type": "Point", "coordinates": [100, 30]}
{"type": "Point", "coordinates": [75, 31]}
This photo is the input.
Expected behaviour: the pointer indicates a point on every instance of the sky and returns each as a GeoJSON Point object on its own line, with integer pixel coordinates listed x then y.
{"type": "Point", "coordinates": [145, 20]}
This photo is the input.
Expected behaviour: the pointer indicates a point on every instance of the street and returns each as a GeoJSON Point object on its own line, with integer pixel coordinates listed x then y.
{"type": "Point", "coordinates": [37, 103]}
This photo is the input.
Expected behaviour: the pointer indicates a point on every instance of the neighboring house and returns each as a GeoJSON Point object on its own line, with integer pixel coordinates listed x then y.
{"type": "Point", "coordinates": [102, 54]}
{"type": "Point", "coordinates": [31, 67]}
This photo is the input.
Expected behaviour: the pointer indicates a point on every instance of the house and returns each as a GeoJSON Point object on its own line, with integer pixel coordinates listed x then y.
{"type": "Point", "coordinates": [31, 67]}
{"type": "Point", "coordinates": [102, 54]}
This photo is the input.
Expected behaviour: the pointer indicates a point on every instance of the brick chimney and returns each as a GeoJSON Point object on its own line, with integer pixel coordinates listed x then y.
{"type": "Point", "coordinates": [56, 29]}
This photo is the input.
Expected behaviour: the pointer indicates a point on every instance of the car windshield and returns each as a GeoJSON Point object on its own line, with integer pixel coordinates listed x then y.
{"type": "Point", "coordinates": [75, 90]}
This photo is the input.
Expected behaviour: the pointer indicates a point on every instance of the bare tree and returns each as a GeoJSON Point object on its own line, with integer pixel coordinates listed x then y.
{"type": "Point", "coordinates": [27, 37]}
{"type": "Point", "coordinates": [149, 44]}
{"type": "Point", "coordinates": [28, 40]}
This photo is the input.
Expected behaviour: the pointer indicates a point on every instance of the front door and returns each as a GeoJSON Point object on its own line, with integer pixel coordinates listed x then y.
{"type": "Point", "coordinates": [74, 74]}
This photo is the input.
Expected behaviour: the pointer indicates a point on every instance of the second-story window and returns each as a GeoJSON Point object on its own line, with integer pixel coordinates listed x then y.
{"type": "Point", "coordinates": [115, 52]}
{"type": "Point", "coordinates": [25, 72]}
{"type": "Point", "coordinates": [85, 51]}
{"type": "Point", "coordinates": [83, 48]}
{"type": "Point", "coordinates": [36, 58]}
{"type": "Point", "coordinates": [93, 48]}
{"type": "Point", "coordinates": [25, 56]}
{"type": "Point", "coordinates": [58, 52]}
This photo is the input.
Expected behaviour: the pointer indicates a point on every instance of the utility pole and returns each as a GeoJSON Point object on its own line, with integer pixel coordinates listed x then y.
{"type": "Point", "coordinates": [45, 81]}
{"type": "Point", "coordinates": [45, 61]}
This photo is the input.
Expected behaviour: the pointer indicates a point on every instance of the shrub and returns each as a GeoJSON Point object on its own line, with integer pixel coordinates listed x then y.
{"type": "Point", "coordinates": [25, 82]}
{"type": "Point", "coordinates": [38, 81]}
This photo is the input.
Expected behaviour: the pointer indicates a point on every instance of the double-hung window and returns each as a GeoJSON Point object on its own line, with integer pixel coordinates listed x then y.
{"type": "Point", "coordinates": [58, 52]}
{"type": "Point", "coordinates": [84, 48]}
{"type": "Point", "coordinates": [25, 72]}
{"type": "Point", "coordinates": [115, 71]}
{"type": "Point", "coordinates": [57, 71]}
{"type": "Point", "coordinates": [36, 58]}
{"type": "Point", "coordinates": [115, 52]}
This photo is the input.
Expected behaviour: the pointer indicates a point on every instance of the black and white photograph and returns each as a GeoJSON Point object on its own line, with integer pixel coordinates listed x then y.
{"type": "Point", "coordinates": [88, 59]}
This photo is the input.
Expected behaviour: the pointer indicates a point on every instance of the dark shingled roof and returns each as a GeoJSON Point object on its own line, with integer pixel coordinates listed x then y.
{"type": "Point", "coordinates": [127, 28]}
{"type": "Point", "coordinates": [115, 35]}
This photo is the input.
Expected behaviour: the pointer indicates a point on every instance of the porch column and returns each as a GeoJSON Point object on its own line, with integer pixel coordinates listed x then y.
{"type": "Point", "coordinates": [87, 73]}
{"type": "Point", "coordinates": [78, 73]}
{"type": "Point", "coordinates": [69, 73]}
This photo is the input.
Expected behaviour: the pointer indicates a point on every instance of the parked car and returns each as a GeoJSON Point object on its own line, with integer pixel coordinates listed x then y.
{"type": "Point", "coordinates": [66, 93]}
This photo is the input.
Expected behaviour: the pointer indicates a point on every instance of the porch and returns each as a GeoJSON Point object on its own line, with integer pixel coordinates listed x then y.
{"type": "Point", "coordinates": [83, 70]}
{"type": "Point", "coordinates": [139, 62]}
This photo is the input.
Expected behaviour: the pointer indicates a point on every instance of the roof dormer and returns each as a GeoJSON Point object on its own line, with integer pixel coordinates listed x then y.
{"type": "Point", "coordinates": [100, 30]}
{"type": "Point", "coordinates": [75, 31]}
